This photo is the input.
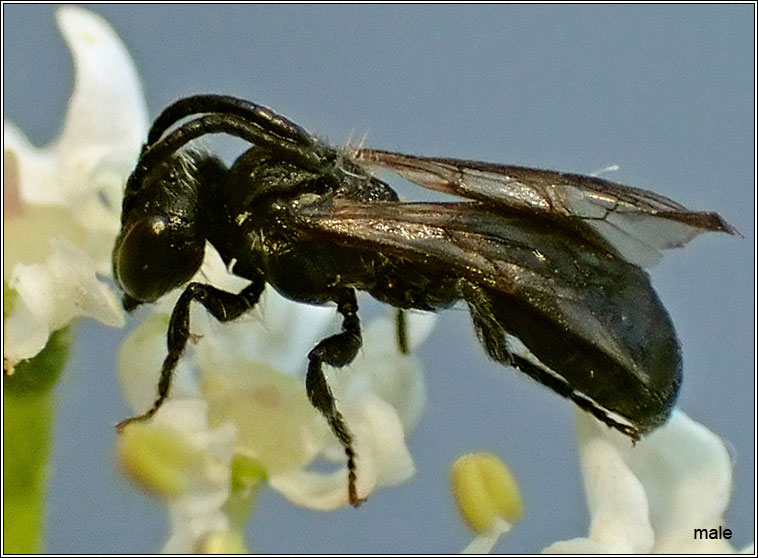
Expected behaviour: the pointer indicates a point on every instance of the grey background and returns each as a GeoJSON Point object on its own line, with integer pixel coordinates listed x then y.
{"type": "Point", "coordinates": [666, 92]}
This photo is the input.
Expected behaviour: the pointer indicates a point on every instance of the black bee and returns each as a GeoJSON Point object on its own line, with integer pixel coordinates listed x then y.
{"type": "Point", "coordinates": [549, 263]}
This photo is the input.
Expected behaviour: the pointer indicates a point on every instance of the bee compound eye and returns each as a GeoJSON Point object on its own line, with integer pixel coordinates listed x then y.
{"type": "Point", "coordinates": [153, 256]}
{"type": "Point", "coordinates": [140, 256]}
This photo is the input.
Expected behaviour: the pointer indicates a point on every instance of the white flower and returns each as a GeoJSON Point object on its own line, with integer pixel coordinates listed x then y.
{"type": "Point", "coordinates": [179, 458]}
{"type": "Point", "coordinates": [651, 497]}
{"type": "Point", "coordinates": [249, 373]}
{"type": "Point", "coordinates": [62, 201]}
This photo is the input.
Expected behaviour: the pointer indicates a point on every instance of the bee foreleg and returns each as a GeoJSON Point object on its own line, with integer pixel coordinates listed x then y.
{"type": "Point", "coordinates": [223, 305]}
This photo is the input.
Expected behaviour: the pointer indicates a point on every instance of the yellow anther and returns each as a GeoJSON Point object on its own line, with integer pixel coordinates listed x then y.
{"type": "Point", "coordinates": [157, 458]}
{"type": "Point", "coordinates": [485, 490]}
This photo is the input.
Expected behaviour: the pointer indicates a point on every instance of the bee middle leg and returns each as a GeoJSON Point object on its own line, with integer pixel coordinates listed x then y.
{"type": "Point", "coordinates": [337, 350]}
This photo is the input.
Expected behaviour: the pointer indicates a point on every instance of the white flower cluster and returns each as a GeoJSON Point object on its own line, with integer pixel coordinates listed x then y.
{"type": "Point", "coordinates": [62, 202]}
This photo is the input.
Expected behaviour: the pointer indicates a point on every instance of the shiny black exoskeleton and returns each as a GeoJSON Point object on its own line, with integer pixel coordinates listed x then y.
{"type": "Point", "coordinates": [536, 255]}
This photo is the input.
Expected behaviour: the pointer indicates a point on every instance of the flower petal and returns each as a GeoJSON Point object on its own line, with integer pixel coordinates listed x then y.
{"type": "Point", "coordinates": [317, 491]}
{"type": "Point", "coordinates": [420, 325]}
{"type": "Point", "coordinates": [687, 474]}
{"type": "Point", "coordinates": [32, 167]}
{"type": "Point", "coordinates": [380, 441]}
{"type": "Point", "coordinates": [649, 497]}
{"type": "Point", "coordinates": [105, 123]}
{"type": "Point", "coordinates": [28, 229]}
{"type": "Point", "coordinates": [616, 498]}
{"type": "Point", "coordinates": [107, 116]}
{"type": "Point", "coordinates": [54, 293]}
{"type": "Point", "coordinates": [277, 424]}
{"type": "Point", "coordinates": [382, 459]}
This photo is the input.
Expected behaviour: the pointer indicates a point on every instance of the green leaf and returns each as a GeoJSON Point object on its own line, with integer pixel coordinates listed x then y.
{"type": "Point", "coordinates": [28, 412]}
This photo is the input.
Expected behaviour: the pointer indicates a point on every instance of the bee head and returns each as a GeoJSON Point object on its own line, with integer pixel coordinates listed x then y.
{"type": "Point", "coordinates": [161, 243]}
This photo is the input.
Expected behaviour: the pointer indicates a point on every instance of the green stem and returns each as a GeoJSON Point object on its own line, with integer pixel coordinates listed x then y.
{"type": "Point", "coordinates": [28, 413]}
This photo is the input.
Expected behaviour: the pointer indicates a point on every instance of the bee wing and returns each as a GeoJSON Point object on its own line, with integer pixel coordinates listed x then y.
{"type": "Point", "coordinates": [470, 238]}
{"type": "Point", "coordinates": [637, 222]}
{"type": "Point", "coordinates": [553, 283]}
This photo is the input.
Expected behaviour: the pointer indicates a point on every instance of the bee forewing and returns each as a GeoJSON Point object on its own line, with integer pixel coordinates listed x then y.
{"type": "Point", "coordinates": [637, 222]}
